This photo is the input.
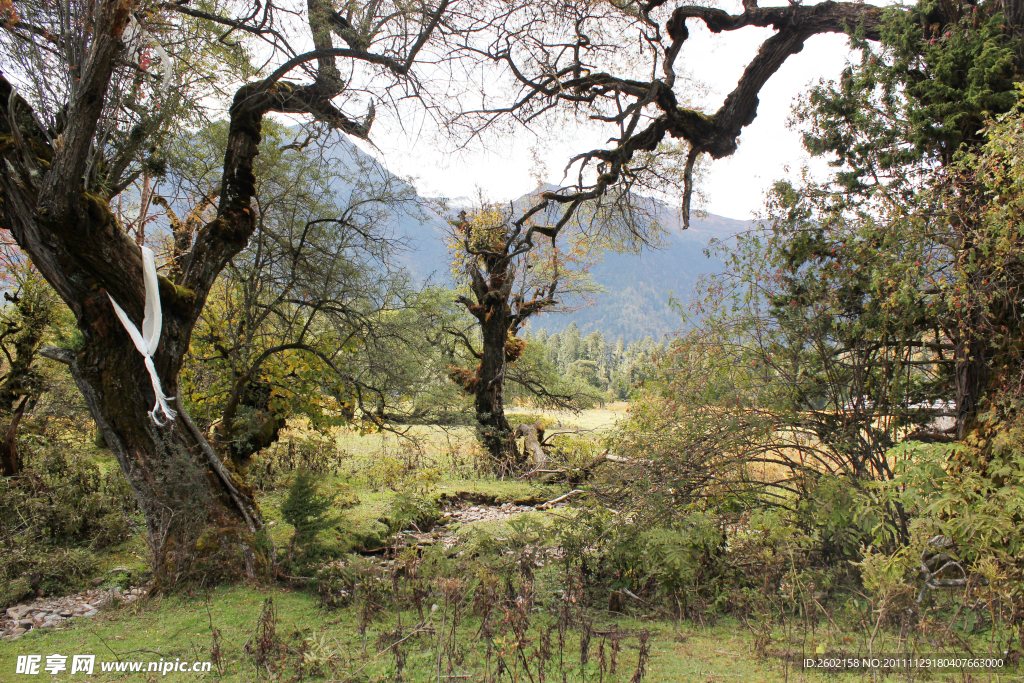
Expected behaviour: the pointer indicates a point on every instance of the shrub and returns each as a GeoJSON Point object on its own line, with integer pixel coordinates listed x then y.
{"type": "Point", "coordinates": [405, 470]}
{"type": "Point", "coordinates": [53, 514]}
{"type": "Point", "coordinates": [314, 452]}
{"type": "Point", "coordinates": [308, 510]}
{"type": "Point", "coordinates": [411, 511]}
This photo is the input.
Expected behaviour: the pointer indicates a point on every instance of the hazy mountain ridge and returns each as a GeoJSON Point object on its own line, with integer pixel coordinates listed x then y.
{"type": "Point", "coordinates": [635, 303]}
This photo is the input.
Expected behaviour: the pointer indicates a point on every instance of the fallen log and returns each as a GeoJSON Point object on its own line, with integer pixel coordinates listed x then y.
{"type": "Point", "coordinates": [560, 499]}
{"type": "Point", "coordinates": [576, 475]}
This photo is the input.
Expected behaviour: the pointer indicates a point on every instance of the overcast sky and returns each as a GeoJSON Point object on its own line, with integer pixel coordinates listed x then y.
{"type": "Point", "coordinates": [734, 186]}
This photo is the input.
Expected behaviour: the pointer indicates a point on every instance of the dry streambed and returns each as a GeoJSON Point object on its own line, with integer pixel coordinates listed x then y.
{"type": "Point", "coordinates": [52, 612]}
{"type": "Point", "coordinates": [464, 508]}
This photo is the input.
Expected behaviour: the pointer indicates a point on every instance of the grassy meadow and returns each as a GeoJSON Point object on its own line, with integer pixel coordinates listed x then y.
{"type": "Point", "coordinates": [406, 589]}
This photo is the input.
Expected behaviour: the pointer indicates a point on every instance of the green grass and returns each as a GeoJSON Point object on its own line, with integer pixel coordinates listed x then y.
{"type": "Point", "coordinates": [182, 627]}
{"type": "Point", "coordinates": [378, 470]}
{"type": "Point", "coordinates": [594, 420]}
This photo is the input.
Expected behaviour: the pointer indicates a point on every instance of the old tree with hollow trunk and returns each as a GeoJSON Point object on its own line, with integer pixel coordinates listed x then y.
{"type": "Point", "coordinates": [84, 131]}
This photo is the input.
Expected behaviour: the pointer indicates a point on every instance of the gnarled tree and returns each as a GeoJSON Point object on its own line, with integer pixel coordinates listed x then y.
{"type": "Point", "coordinates": [511, 281]}
{"type": "Point", "coordinates": [81, 134]}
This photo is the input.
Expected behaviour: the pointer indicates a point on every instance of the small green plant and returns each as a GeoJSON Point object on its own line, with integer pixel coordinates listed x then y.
{"type": "Point", "coordinates": [308, 510]}
{"type": "Point", "coordinates": [415, 512]}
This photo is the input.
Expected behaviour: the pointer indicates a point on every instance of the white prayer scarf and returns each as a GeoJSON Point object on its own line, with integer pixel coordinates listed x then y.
{"type": "Point", "coordinates": [149, 339]}
{"type": "Point", "coordinates": [134, 30]}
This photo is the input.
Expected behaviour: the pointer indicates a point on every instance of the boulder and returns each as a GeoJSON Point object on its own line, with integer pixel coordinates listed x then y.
{"type": "Point", "coordinates": [18, 612]}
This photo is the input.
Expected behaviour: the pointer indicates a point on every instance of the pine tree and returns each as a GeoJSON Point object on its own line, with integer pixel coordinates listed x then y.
{"type": "Point", "coordinates": [307, 509]}
{"type": "Point", "coordinates": [554, 350]}
{"type": "Point", "coordinates": [571, 349]}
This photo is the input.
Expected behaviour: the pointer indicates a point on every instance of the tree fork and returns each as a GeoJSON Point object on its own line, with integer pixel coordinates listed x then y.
{"type": "Point", "coordinates": [714, 134]}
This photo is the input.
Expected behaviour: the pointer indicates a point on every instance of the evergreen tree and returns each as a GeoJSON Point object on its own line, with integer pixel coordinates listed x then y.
{"type": "Point", "coordinates": [306, 508]}
{"type": "Point", "coordinates": [571, 348]}
{"type": "Point", "coordinates": [593, 347]}
{"type": "Point", "coordinates": [617, 355]}
{"type": "Point", "coordinates": [554, 347]}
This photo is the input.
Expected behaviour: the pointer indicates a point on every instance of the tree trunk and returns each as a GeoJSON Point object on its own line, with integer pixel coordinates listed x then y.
{"type": "Point", "coordinates": [10, 463]}
{"type": "Point", "coordinates": [36, 314]}
{"type": "Point", "coordinates": [202, 521]}
{"type": "Point", "coordinates": [489, 387]}
{"type": "Point", "coordinates": [971, 376]}
{"type": "Point", "coordinates": [263, 428]}
{"type": "Point", "coordinates": [532, 436]}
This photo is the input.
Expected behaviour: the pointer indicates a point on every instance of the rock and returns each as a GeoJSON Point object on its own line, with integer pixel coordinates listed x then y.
{"type": "Point", "coordinates": [17, 631]}
{"type": "Point", "coordinates": [47, 613]}
{"type": "Point", "coordinates": [18, 611]}
{"type": "Point", "coordinates": [97, 581]}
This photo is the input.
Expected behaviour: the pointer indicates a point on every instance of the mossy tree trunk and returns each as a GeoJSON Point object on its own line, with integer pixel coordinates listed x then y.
{"type": "Point", "coordinates": [21, 383]}
{"type": "Point", "coordinates": [489, 381]}
{"type": "Point", "coordinates": [10, 461]}
{"type": "Point", "coordinates": [492, 270]}
{"type": "Point", "coordinates": [35, 314]}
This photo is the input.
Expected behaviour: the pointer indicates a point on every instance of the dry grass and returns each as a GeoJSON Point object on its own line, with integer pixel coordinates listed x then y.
{"type": "Point", "coordinates": [595, 419]}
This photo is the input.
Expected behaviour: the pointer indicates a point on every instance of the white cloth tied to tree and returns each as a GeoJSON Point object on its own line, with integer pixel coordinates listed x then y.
{"type": "Point", "coordinates": [147, 341]}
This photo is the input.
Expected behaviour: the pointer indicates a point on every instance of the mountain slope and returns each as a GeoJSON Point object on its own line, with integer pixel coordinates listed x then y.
{"type": "Point", "coordinates": [635, 300]}
{"type": "Point", "coordinates": [635, 303]}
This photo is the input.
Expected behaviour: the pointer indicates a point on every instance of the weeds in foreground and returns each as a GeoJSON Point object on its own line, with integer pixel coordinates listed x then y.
{"type": "Point", "coordinates": [514, 615]}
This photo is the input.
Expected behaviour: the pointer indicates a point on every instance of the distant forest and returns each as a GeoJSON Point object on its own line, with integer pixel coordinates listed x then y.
{"type": "Point", "coordinates": [613, 368]}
